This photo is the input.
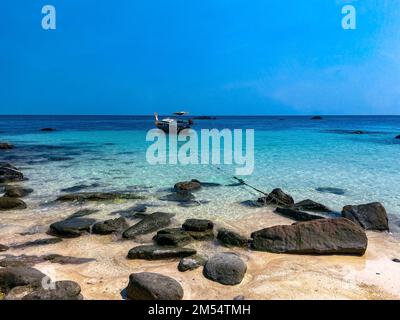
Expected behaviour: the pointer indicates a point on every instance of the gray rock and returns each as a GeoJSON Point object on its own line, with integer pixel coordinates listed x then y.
{"type": "Point", "coordinates": [297, 215]}
{"type": "Point", "coordinates": [337, 191]}
{"type": "Point", "coordinates": [63, 290]}
{"type": "Point", "coordinates": [153, 286]}
{"type": "Point", "coordinates": [197, 225]}
{"type": "Point", "coordinates": [173, 237]}
{"type": "Point", "coordinates": [323, 236]}
{"type": "Point", "coordinates": [17, 191]}
{"type": "Point", "coordinates": [150, 223]}
{"type": "Point", "coordinates": [151, 252]}
{"type": "Point", "coordinates": [187, 186]}
{"type": "Point", "coordinates": [71, 228]}
{"type": "Point", "coordinates": [38, 242]}
{"type": "Point", "coordinates": [231, 239]}
{"type": "Point", "coordinates": [29, 261]}
{"type": "Point", "coordinates": [277, 197]}
{"type": "Point", "coordinates": [9, 173]}
{"type": "Point", "coordinates": [110, 226]}
{"type": "Point", "coordinates": [99, 196]}
{"type": "Point", "coordinates": [191, 263]}
{"type": "Point", "coordinates": [6, 146]}
{"type": "Point", "coordinates": [19, 276]}
{"type": "Point", "coordinates": [371, 216]}
{"type": "Point", "coordinates": [83, 213]}
{"type": "Point", "coordinates": [310, 205]}
{"type": "Point", "coordinates": [182, 196]}
{"type": "Point", "coordinates": [226, 268]}
{"type": "Point", "coordinates": [7, 203]}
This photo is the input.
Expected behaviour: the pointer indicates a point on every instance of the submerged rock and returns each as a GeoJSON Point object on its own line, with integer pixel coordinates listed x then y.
{"type": "Point", "coordinates": [323, 236]}
{"type": "Point", "coordinates": [99, 196]}
{"type": "Point", "coordinates": [180, 196]}
{"type": "Point", "coordinates": [191, 263]}
{"type": "Point", "coordinates": [397, 137]}
{"type": "Point", "coordinates": [337, 191]}
{"type": "Point", "coordinates": [297, 215]}
{"type": "Point", "coordinates": [17, 191]}
{"type": "Point", "coordinates": [278, 197]}
{"type": "Point", "coordinates": [192, 185]}
{"type": "Point", "coordinates": [197, 225]}
{"type": "Point", "coordinates": [150, 223]}
{"type": "Point", "coordinates": [134, 212]}
{"type": "Point", "coordinates": [7, 203]}
{"type": "Point", "coordinates": [6, 146]}
{"type": "Point", "coordinates": [173, 237]}
{"type": "Point", "coordinates": [310, 205]}
{"type": "Point", "coordinates": [152, 252]}
{"type": "Point", "coordinates": [110, 226]}
{"type": "Point", "coordinates": [231, 239]}
{"type": "Point", "coordinates": [371, 216]}
{"type": "Point", "coordinates": [19, 276]}
{"type": "Point", "coordinates": [83, 213]}
{"type": "Point", "coordinates": [153, 286]}
{"type": "Point", "coordinates": [47, 129]}
{"type": "Point", "coordinates": [72, 227]}
{"type": "Point", "coordinates": [80, 187]}
{"type": "Point", "coordinates": [9, 173]}
{"type": "Point", "coordinates": [316, 118]}
{"type": "Point", "coordinates": [226, 268]}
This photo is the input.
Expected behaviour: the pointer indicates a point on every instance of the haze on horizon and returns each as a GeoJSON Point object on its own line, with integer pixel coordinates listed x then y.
{"type": "Point", "coordinates": [207, 57]}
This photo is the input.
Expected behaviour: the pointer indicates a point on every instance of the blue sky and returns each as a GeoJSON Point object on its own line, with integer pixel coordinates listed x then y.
{"type": "Point", "coordinates": [207, 57]}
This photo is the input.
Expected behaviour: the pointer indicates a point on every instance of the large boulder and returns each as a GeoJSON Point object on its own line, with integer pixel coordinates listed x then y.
{"type": "Point", "coordinates": [191, 262]}
{"type": "Point", "coordinates": [13, 191]}
{"type": "Point", "coordinates": [71, 228]}
{"type": "Point", "coordinates": [323, 236]}
{"type": "Point", "coordinates": [173, 237]}
{"type": "Point", "coordinates": [297, 215]}
{"type": "Point", "coordinates": [110, 226]}
{"type": "Point", "coordinates": [150, 223]}
{"type": "Point", "coordinates": [9, 173]}
{"type": "Point", "coordinates": [226, 268]}
{"type": "Point", "coordinates": [153, 286]}
{"type": "Point", "coordinates": [192, 185]}
{"type": "Point", "coordinates": [310, 205]}
{"type": "Point", "coordinates": [19, 276]}
{"type": "Point", "coordinates": [371, 216]}
{"type": "Point", "coordinates": [277, 197]}
{"type": "Point", "coordinates": [154, 252]}
{"type": "Point", "coordinates": [7, 203]}
{"type": "Point", "coordinates": [5, 146]}
{"type": "Point", "coordinates": [231, 239]}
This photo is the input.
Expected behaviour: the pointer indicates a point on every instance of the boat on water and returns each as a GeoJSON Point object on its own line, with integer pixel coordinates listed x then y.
{"type": "Point", "coordinates": [166, 123]}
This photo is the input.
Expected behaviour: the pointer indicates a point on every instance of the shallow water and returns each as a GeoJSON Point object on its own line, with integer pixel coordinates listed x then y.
{"type": "Point", "coordinates": [297, 154]}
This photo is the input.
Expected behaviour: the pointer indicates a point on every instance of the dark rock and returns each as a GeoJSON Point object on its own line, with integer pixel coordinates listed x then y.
{"type": "Point", "coordinates": [7, 203]}
{"type": "Point", "coordinates": [150, 223]}
{"type": "Point", "coordinates": [57, 258]}
{"type": "Point", "coordinates": [99, 196]}
{"type": "Point", "coordinates": [278, 197]}
{"type": "Point", "coordinates": [83, 213]}
{"type": "Point", "coordinates": [173, 237]}
{"type": "Point", "coordinates": [17, 191]}
{"type": "Point", "coordinates": [336, 191]}
{"type": "Point", "coordinates": [226, 268]}
{"type": "Point", "coordinates": [197, 225]}
{"type": "Point", "coordinates": [153, 286]}
{"type": "Point", "coordinates": [323, 236]}
{"type": "Point", "coordinates": [371, 216]}
{"type": "Point", "coordinates": [239, 298]}
{"type": "Point", "coordinates": [251, 204]}
{"type": "Point", "coordinates": [231, 239]}
{"type": "Point", "coordinates": [47, 129]}
{"type": "Point", "coordinates": [309, 205]}
{"type": "Point", "coordinates": [191, 263]}
{"type": "Point", "coordinates": [150, 252]}
{"type": "Point", "coordinates": [9, 173]}
{"type": "Point", "coordinates": [19, 276]}
{"type": "Point", "coordinates": [39, 242]}
{"type": "Point", "coordinates": [71, 228]}
{"type": "Point", "coordinates": [316, 118]}
{"type": "Point", "coordinates": [3, 248]}
{"type": "Point", "coordinates": [207, 235]}
{"type": "Point", "coordinates": [80, 187]}
{"type": "Point", "coordinates": [208, 184]}
{"type": "Point", "coordinates": [396, 260]}
{"type": "Point", "coordinates": [397, 137]}
{"type": "Point", "coordinates": [132, 212]}
{"type": "Point", "coordinates": [204, 118]}
{"type": "Point", "coordinates": [63, 290]}
{"type": "Point", "coordinates": [297, 215]}
{"type": "Point", "coordinates": [192, 185]}
{"type": "Point", "coordinates": [5, 146]}
{"type": "Point", "coordinates": [29, 261]}
{"type": "Point", "coordinates": [180, 196]}
{"type": "Point", "coordinates": [110, 226]}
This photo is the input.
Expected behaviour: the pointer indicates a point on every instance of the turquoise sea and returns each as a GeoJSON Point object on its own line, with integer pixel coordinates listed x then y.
{"type": "Point", "coordinates": [304, 157]}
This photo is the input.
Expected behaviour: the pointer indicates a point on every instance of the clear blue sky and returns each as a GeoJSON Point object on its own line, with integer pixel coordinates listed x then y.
{"type": "Point", "coordinates": [208, 57]}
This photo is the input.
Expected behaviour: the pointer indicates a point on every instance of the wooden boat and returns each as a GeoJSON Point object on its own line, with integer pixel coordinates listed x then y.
{"type": "Point", "coordinates": [166, 123]}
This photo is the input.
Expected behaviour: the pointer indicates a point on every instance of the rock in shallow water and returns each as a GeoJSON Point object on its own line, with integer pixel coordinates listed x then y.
{"type": "Point", "coordinates": [153, 286]}
{"type": "Point", "coordinates": [197, 225]}
{"type": "Point", "coordinates": [231, 239]}
{"type": "Point", "coordinates": [278, 197]}
{"type": "Point", "coordinates": [297, 215]}
{"type": "Point", "coordinates": [192, 185]}
{"type": "Point", "coordinates": [151, 252]}
{"type": "Point", "coordinates": [226, 268]}
{"type": "Point", "coordinates": [371, 216]}
{"type": "Point", "coordinates": [150, 223]}
{"type": "Point", "coordinates": [110, 226]}
{"type": "Point", "coordinates": [324, 236]}
{"type": "Point", "coordinates": [310, 205]}
{"type": "Point", "coordinates": [72, 227]}
{"type": "Point", "coordinates": [6, 146]}
{"type": "Point", "coordinates": [173, 237]}
{"type": "Point", "coordinates": [9, 173]}
{"type": "Point", "coordinates": [17, 191]}
{"type": "Point", "coordinates": [337, 191]}
{"type": "Point", "coordinates": [83, 213]}
{"type": "Point", "coordinates": [7, 203]}
{"type": "Point", "coordinates": [100, 196]}
{"type": "Point", "coordinates": [191, 263]}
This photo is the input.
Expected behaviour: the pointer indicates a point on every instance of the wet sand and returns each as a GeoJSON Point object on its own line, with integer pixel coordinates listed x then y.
{"type": "Point", "coordinates": [269, 276]}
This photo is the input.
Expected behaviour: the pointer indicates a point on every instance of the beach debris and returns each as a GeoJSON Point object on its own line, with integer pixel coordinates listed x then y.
{"type": "Point", "coordinates": [337, 191]}
{"type": "Point", "coordinates": [100, 196]}
{"type": "Point", "coordinates": [153, 286]}
{"type": "Point", "coordinates": [71, 227]}
{"type": "Point", "coordinates": [38, 242]}
{"type": "Point", "coordinates": [150, 223]}
{"type": "Point", "coordinates": [192, 185]}
{"type": "Point", "coordinates": [277, 197]}
{"type": "Point", "coordinates": [310, 205]}
{"type": "Point", "coordinates": [110, 226]}
{"type": "Point", "coordinates": [371, 216]}
{"type": "Point", "coordinates": [192, 262]}
{"type": "Point", "coordinates": [316, 118]}
{"type": "Point", "coordinates": [14, 191]}
{"type": "Point", "coordinates": [155, 252]}
{"type": "Point", "coordinates": [172, 237]}
{"type": "Point", "coordinates": [322, 236]}
{"type": "Point", "coordinates": [9, 173]}
{"type": "Point", "coordinates": [7, 203]}
{"type": "Point", "coordinates": [199, 229]}
{"type": "Point", "coordinates": [297, 214]}
{"type": "Point", "coordinates": [6, 146]}
{"type": "Point", "coordinates": [230, 238]}
{"type": "Point", "coordinates": [226, 268]}
{"type": "Point", "coordinates": [3, 248]}
{"type": "Point", "coordinates": [83, 213]}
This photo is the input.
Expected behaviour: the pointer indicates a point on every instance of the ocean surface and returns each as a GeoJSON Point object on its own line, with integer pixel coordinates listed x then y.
{"type": "Point", "coordinates": [318, 159]}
